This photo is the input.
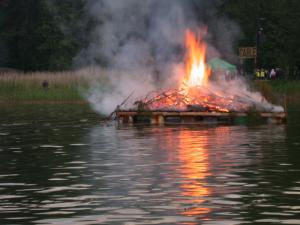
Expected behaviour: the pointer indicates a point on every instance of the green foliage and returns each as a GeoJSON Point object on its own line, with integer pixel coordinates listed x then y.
{"type": "Point", "coordinates": [48, 34]}
{"type": "Point", "coordinates": [279, 42]}
{"type": "Point", "coordinates": [10, 92]}
{"type": "Point", "coordinates": [37, 33]}
{"type": "Point", "coordinates": [286, 87]}
{"type": "Point", "coordinates": [270, 89]}
{"type": "Point", "coordinates": [264, 87]}
{"type": "Point", "coordinates": [28, 87]}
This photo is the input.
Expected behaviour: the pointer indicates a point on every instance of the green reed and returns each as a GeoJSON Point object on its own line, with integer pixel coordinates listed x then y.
{"type": "Point", "coordinates": [63, 86]}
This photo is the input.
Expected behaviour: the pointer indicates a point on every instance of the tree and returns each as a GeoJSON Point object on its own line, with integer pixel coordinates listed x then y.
{"type": "Point", "coordinates": [34, 34]}
{"type": "Point", "coordinates": [280, 45]}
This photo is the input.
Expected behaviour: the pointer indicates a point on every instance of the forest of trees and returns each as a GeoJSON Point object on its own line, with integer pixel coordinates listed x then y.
{"type": "Point", "coordinates": [35, 35]}
{"type": "Point", "coordinates": [39, 34]}
{"type": "Point", "coordinates": [274, 24]}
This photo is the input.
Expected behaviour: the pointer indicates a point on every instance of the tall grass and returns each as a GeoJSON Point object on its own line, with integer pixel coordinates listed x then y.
{"type": "Point", "coordinates": [288, 87]}
{"type": "Point", "coordinates": [278, 91]}
{"type": "Point", "coordinates": [63, 86]}
{"type": "Point", "coordinates": [72, 85]}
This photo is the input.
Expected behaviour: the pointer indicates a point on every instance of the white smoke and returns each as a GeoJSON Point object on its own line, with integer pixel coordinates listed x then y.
{"type": "Point", "coordinates": [238, 88]}
{"type": "Point", "coordinates": [109, 88]}
{"type": "Point", "coordinates": [141, 43]}
{"type": "Point", "coordinates": [138, 41]}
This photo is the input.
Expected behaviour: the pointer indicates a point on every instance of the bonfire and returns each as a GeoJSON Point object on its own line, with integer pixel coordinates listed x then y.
{"type": "Point", "coordinates": [196, 92]}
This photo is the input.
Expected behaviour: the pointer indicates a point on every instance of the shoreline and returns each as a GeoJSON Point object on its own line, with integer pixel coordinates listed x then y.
{"type": "Point", "coordinates": [43, 102]}
{"type": "Point", "coordinates": [68, 87]}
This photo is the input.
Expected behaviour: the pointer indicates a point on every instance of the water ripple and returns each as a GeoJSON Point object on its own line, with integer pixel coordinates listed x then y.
{"type": "Point", "coordinates": [56, 171]}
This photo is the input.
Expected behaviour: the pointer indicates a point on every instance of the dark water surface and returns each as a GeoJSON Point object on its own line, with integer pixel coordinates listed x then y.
{"type": "Point", "coordinates": [60, 165]}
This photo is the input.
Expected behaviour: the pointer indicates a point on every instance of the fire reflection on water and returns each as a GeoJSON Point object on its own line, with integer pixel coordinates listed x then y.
{"type": "Point", "coordinates": [193, 169]}
{"type": "Point", "coordinates": [193, 156]}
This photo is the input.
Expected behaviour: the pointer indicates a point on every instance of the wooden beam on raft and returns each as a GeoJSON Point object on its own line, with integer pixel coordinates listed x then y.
{"type": "Point", "coordinates": [184, 117]}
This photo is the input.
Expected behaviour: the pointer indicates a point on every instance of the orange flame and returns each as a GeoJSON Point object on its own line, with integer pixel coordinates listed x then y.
{"type": "Point", "coordinates": [196, 71]}
{"type": "Point", "coordinates": [193, 92]}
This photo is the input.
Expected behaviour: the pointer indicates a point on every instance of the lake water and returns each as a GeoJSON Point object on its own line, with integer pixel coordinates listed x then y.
{"type": "Point", "coordinates": [61, 165]}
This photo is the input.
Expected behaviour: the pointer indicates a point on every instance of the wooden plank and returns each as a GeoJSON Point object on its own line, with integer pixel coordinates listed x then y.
{"type": "Point", "coordinates": [270, 114]}
{"type": "Point", "coordinates": [205, 114]}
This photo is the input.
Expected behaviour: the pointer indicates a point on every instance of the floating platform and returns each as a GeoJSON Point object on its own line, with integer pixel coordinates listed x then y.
{"type": "Point", "coordinates": [187, 117]}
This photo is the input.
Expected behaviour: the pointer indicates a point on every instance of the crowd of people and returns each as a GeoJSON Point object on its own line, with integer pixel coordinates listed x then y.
{"type": "Point", "coordinates": [272, 74]}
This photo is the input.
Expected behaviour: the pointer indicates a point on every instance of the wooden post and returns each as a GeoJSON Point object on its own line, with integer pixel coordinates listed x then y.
{"type": "Point", "coordinates": [154, 120]}
{"type": "Point", "coordinates": [130, 119]}
{"type": "Point", "coordinates": [161, 119]}
{"type": "Point", "coordinates": [120, 119]}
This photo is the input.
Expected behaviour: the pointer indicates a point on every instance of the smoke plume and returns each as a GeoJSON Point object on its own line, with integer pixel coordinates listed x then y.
{"type": "Point", "coordinates": [141, 45]}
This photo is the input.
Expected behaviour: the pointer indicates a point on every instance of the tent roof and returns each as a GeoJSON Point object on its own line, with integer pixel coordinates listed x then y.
{"type": "Point", "coordinates": [219, 64]}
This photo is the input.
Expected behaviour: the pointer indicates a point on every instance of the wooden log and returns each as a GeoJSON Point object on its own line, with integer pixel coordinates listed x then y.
{"type": "Point", "coordinates": [158, 117]}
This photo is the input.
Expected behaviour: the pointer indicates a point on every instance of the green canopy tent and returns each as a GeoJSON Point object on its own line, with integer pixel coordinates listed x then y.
{"type": "Point", "coordinates": [219, 64]}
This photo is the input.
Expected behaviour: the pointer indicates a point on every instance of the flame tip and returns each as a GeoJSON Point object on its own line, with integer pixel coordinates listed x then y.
{"type": "Point", "coordinates": [196, 72]}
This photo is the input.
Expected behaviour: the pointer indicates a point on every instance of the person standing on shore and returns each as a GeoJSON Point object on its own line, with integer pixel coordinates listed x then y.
{"type": "Point", "coordinates": [272, 74]}
{"type": "Point", "coordinates": [45, 85]}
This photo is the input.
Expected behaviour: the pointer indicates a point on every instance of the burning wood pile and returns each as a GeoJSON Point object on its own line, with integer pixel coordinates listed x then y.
{"type": "Point", "coordinates": [195, 93]}
{"type": "Point", "coordinates": [198, 99]}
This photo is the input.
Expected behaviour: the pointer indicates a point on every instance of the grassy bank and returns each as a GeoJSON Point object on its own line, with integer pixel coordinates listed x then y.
{"type": "Point", "coordinates": [63, 86]}
{"type": "Point", "coordinates": [71, 85]}
{"type": "Point", "coordinates": [279, 91]}
{"type": "Point", "coordinates": [290, 88]}
{"type": "Point", "coordinates": [278, 87]}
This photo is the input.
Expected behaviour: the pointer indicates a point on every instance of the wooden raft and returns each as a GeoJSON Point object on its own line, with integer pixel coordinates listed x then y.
{"type": "Point", "coordinates": [186, 117]}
